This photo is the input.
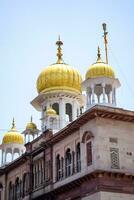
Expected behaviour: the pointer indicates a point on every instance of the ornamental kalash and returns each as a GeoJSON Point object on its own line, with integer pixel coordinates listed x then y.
{"type": "Point", "coordinates": [84, 149]}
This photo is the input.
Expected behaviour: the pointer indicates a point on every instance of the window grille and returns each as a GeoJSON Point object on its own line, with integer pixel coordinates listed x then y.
{"type": "Point", "coordinates": [114, 153]}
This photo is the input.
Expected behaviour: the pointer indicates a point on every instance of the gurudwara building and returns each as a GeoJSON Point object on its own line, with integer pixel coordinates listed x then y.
{"type": "Point", "coordinates": [84, 149]}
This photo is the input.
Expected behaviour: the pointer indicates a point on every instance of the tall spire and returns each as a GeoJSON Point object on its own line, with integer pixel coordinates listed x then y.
{"type": "Point", "coordinates": [99, 55]}
{"type": "Point", "coordinates": [13, 125]}
{"type": "Point", "coordinates": [105, 40]}
{"type": "Point", "coordinates": [59, 43]}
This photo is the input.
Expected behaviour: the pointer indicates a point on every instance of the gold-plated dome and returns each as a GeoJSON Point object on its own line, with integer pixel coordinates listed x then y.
{"type": "Point", "coordinates": [59, 76]}
{"type": "Point", "coordinates": [31, 125]}
{"type": "Point", "coordinates": [50, 111]}
{"type": "Point", "coordinates": [100, 69]}
{"type": "Point", "coordinates": [13, 136]}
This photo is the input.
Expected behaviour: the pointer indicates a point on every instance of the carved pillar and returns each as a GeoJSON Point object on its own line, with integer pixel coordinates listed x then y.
{"type": "Point", "coordinates": [104, 94]}
{"type": "Point", "coordinates": [73, 162]}
{"type": "Point", "coordinates": [93, 95]}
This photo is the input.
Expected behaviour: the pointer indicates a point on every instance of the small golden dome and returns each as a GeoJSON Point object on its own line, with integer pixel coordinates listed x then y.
{"type": "Point", "coordinates": [59, 76]}
{"type": "Point", "coordinates": [100, 69]}
{"type": "Point", "coordinates": [50, 111]}
{"type": "Point", "coordinates": [13, 136]}
{"type": "Point", "coordinates": [31, 125]}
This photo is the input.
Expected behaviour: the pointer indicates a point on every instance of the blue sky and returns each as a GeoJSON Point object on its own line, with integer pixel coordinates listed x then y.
{"type": "Point", "coordinates": [28, 31]}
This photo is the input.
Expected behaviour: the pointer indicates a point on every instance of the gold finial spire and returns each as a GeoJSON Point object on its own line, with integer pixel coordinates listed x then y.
{"type": "Point", "coordinates": [105, 40]}
{"type": "Point", "coordinates": [13, 125]}
{"type": "Point", "coordinates": [99, 55]}
{"type": "Point", "coordinates": [59, 43]}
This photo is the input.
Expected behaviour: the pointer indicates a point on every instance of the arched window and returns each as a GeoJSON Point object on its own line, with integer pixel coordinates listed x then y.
{"type": "Point", "coordinates": [68, 162]}
{"type": "Point", "coordinates": [87, 139]}
{"type": "Point", "coordinates": [69, 111]}
{"type": "Point", "coordinates": [13, 188]}
{"type": "Point", "coordinates": [89, 150]}
{"type": "Point", "coordinates": [35, 175]}
{"type": "Point", "coordinates": [42, 174]}
{"type": "Point", "coordinates": [38, 173]}
{"type": "Point", "coordinates": [58, 167]}
{"type": "Point", "coordinates": [1, 188]}
{"type": "Point", "coordinates": [55, 106]}
{"type": "Point", "coordinates": [25, 183]}
{"type": "Point", "coordinates": [17, 189]}
{"type": "Point", "coordinates": [62, 167]}
{"type": "Point", "coordinates": [10, 191]}
{"type": "Point", "coordinates": [21, 189]}
{"type": "Point", "coordinates": [78, 158]}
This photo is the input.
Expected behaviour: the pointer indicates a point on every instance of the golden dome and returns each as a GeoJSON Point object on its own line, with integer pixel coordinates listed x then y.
{"type": "Point", "coordinates": [100, 69]}
{"type": "Point", "coordinates": [50, 111]}
{"type": "Point", "coordinates": [31, 125]}
{"type": "Point", "coordinates": [12, 136]}
{"type": "Point", "coordinates": [59, 76]}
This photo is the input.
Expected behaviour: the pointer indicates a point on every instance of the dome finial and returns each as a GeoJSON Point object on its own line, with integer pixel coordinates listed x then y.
{"type": "Point", "coordinates": [105, 40]}
{"type": "Point", "coordinates": [13, 125]}
{"type": "Point", "coordinates": [59, 43]}
{"type": "Point", "coordinates": [99, 55]}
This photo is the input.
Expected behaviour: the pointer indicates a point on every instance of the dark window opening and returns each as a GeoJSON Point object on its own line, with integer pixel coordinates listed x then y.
{"type": "Point", "coordinates": [68, 163]}
{"type": "Point", "coordinates": [78, 158]}
{"type": "Point", "coordinates": [69, 111]}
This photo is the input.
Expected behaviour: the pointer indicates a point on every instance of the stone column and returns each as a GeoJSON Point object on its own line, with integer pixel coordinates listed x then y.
{"type": "Point", "coordinates": [87, 99]}
{"type": "Point", "coordinates": [34, 174]}
{"type": "Point", "coordinates": [113, 96]}
{"type": "Point", "coordinates": [103, 92]}
{"type": "Point", "coordinates": [93, 97]}
{"type": "Point", "coordinates": [90, 99]}
{"type": "Point", "coordinates": [28, 136]}
{"type": "Point", "coordinates": [12, 153]}
{"type": "Point", "coordinates": [74, 110]}
{"type": "Point", "coordinates": [42, 118]}
{"type": "Point", "coordinates": [62, 114]}
{"type": "Point", "coordinates": [73, 163]}
{"type": "Point", "coordinates": [48, 124]}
